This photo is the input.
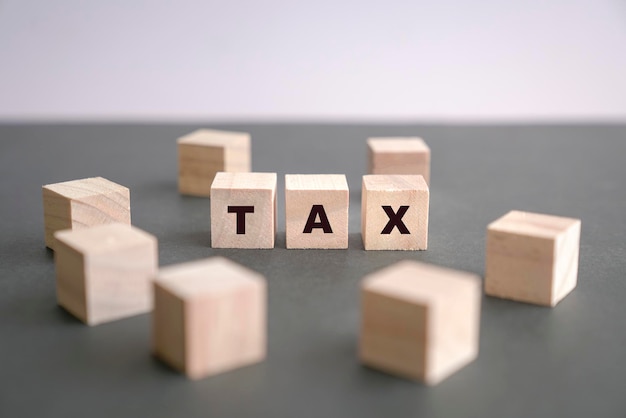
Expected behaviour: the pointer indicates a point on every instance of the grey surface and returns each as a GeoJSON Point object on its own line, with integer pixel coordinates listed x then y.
{"type": "Point", "coordinates": [534, 361]}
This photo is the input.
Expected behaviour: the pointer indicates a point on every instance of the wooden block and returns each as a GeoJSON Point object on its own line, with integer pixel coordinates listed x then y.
{"type": "Point", "coordinates": [399, 156]}
{"type": "Point", "coordinates": [419, 321]}
{"type": "Point", "coordinates": [394, 212]}
{"type": "Point", "coordinates": [532, 258]}
{"type": "Point", "coordinates": [243, 210]}
{"type": "Point", "coordinates": [204, 153]}
{"type": "Point", "coordinates": [209, 317]}
{"type": "Point", "coordinates": [82, 203]}
{"type": "Point", "coordinates": [104, 273]}
{"type": "Point", "coordinates": [316, 208]}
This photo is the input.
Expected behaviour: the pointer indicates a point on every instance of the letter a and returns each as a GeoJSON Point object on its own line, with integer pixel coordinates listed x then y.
{"type": "Point", "coordinates": [323, 223]}
{"type": "Point", "coordinates": [395, 220]}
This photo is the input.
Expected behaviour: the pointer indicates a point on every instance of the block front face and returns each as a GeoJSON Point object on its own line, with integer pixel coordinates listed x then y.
{"type": "Point", "coordinates": [399, 155]}
{"type": "Point", "coordinates": [83, 203]}
{"type": "Point", "coordinates": [204, 153]}
{"type": "Point", "coordinates": [104, 272]}
{"type": "Point", "coordinates": [224, 307]}
{"type": "Point", "coordinates": [243, 210]}
{"type": "Point", "coordinates": [316, 208]}
{"type": "Point", "coordinates": [532, 257]}
{"type": "Point", "coordinates": [394, 212]}
{"type": "Point", "coordinates": [420, 321]}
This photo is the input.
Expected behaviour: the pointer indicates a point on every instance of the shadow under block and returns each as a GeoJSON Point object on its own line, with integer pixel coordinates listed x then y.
{"type": "Point", "coordinates": [419, 321]}
{"type": "Point", "coordinates": [243, 210]}
{"type": "Point", "coordinates": [532, 257]}
{"type": "Point", "coordinates": [204, 153]}
{"type": "Point", "coordinates": [104, 273]}
{"type": "Point", "coordinates": [394, 212]}
{"type": "Point", "coordinates": [399, 155]}
{"type": "Point", "coordinates": [82, 203]}
{"type": "Point", "coordinates": [316, 209]}
{"type": "Point", "coordinates": [209, 317]}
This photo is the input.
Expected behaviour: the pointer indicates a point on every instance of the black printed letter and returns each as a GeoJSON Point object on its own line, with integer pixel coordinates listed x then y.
{"type": "Point", "coordinates": [395, 219]}
{"type": "Point", "coordinates": [323, 223]}
{"type": "Point", "coordinates": [241, 216]}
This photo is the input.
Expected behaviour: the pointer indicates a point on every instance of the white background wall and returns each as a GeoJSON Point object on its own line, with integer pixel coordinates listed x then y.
{"type": "Point", "coordinates": [453, 60]}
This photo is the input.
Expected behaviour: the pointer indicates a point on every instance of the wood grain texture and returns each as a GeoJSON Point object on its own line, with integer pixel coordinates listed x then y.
{"type": "Point", "coordinates": [407, 197]}
{"type": "Point", "coordinates": [104, 272]}
{"type": "Point", "coordinates": [209, 317]}
{"type": "Point", "coordinates": [204, 153]}
{"type": "Point", "coordinates": [419, 321]}
{"type": "Point", "coordinates": [83, 203]}
{"type": "Point", "coordinates": [302, 193]}
{"type": "Point", "coordinates": [532, 257]}
{"type": "Point", "coordinates": [399, 155]}
{"type": "Point", "coordinates": [243, 190]}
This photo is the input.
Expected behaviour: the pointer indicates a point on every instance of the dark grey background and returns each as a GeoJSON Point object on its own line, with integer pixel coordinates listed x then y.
{"type": "Point", "coordinates": [534, 361]}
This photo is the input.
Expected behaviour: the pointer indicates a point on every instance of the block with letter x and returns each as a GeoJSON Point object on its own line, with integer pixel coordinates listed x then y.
{"type": "Point", "coordinates": [394, 212]}
{"type": "Point", "coordinates": [243, 210]}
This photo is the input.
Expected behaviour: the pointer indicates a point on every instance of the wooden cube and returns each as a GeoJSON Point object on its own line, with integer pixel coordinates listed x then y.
{"type": "Point", "coordinates": [204, 153]}
{"type": "Point", "coordinates": [399, 156]}
{"type": "Point", "coordinates": [532, 258]}
{"type": "Point", "coordinates": [419, 321]}
{"type": "Point", "coordinates": [316, 208]}
{"type": "Point", "coordinates": [209, 317]}
{"type": "Point", "coordinates": [243, 210]}
{"type": "Point", "coordinates": [394, 212]}
{"type": "Point", "coordinates": [82, 203]}
{"type": "Point", "coordinates": [104, 273]}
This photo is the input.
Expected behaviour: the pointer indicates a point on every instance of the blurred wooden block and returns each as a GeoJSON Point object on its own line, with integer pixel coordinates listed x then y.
{"type": "Point", "coordinates": [398, 155]}
{"type": "Point", "coordinates": [316, 208]}
{"type": "Point", "coordinates": [204, 153]}
{"type": "Point", "coordinates": [243, 210]}
{"type": "Point", "coordinates": [419, 321]}
{"type": "Point", "coordinates": [209, 317]}
{"type": "Point", "coordinates": [82, 203]}
{"type": "Point", "coordinates": [394, 212]}
{"type": "Point", "coordinates": [104, 273]}
{"type": "Point", "coordinates": [532, 258]}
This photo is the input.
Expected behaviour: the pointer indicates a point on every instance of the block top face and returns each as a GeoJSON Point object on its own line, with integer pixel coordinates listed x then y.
{"type": "Point", "coordinates": [80, 189]}
{"type": "Point", "coordinates": [104, 238]}
{"type": "Point", "coordinates": [215, 138]}
{"type": "Point", "coordinates": [394, 182]}
{"type": "Point", "coordinates": [417, 282]}
{"type": "Point", "coordinates": [244, 181]}
{"type": "Point", "coordinates": [206, 277]}
{"type": "Point", "coordinates": [398, 144]}
{"type": "Point", "coordinates": [316, 182]}
{"type": "Point", "coordinates": [533, 224]}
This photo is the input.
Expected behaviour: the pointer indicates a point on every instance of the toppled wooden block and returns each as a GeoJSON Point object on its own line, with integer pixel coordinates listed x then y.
{"type": "Point", "coordinates": [104, 272]}
{"type": "Point", "coordinates": [82, 203]}
{"type": "Point", "coordinates": [394, 212]}
{"type": "Point", "coordinates": [209, 317]}
{"type": "Point", "coordinates": [243, 210]}
{"type": "Point", "coordinates": [419, 321]}
{"type": "Point", "coordinates": [532, 258]}
{"type": "Point", "coordinates": [316, 208]}
{"type": "Point", "coordinates": [398, 155]}
{"type": "Point", "coordinates": [204, 153]}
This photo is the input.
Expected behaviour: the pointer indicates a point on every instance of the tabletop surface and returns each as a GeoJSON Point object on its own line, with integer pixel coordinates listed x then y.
{"type": "Point", "coordinates": [534, 361]}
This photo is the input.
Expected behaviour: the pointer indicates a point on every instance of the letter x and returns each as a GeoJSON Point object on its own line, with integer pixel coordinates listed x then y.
{"type": "Point", "coordinates": [395, 220]}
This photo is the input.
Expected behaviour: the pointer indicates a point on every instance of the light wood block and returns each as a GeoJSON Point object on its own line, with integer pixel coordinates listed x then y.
{"type": "Point", "coordinates": [316, 208]}
{"type": "Point", "coordinates": [419, 321]}
{"type": "Point", "coordinates": [394, 212]}
{"type": "Point", "coordinates": [209, 317]}
{"type": "Point", "coordinates": [82, 203]}
{"type": "Point", "coordinates": [243, 210]}
{"type": "Point", "coordinates": [399, 155]}
{"type": "Point", "coordinates": [532, 257]}
{"type": "Point", "coordinates": [104, 273]}
{"type": "Point", "coordinates": [204, 153]}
